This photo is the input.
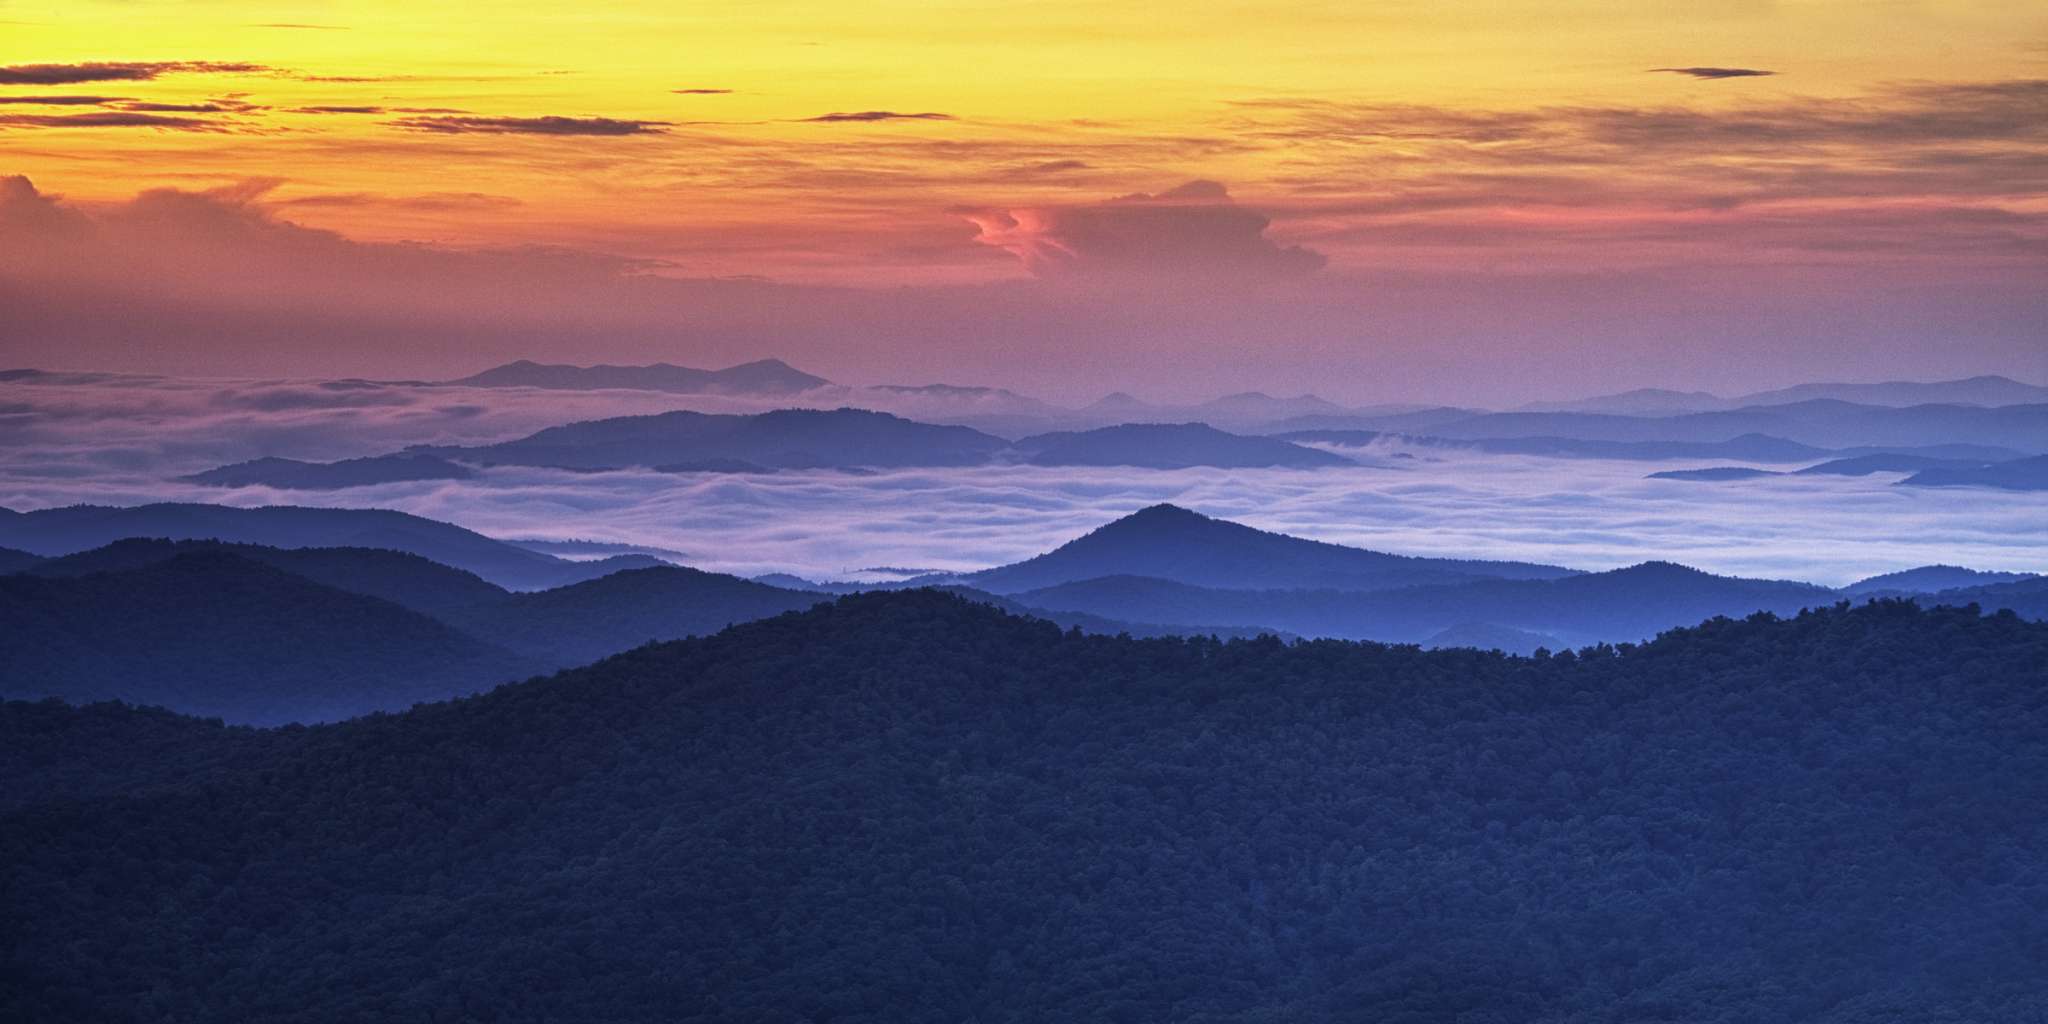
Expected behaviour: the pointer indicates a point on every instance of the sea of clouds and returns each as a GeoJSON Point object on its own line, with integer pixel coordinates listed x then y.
{"type": "Point", "coordinates": [118, 440]}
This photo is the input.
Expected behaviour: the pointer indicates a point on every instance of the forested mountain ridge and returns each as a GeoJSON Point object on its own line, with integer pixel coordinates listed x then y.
{"type": "Point", "coordinates": [214, 634]}
{"type": "Point", "coordinates": [906, 807]}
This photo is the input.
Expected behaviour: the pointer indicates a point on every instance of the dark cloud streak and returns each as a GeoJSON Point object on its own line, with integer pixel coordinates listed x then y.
{"type": "Point", "coordinates": [1712, 73]}
{"type": "Point", "coordinates": [875, 115]}
{"type": "Point", "coordinates": [121, 71]}
{"type": "Point", "coordinates": [545, 125]}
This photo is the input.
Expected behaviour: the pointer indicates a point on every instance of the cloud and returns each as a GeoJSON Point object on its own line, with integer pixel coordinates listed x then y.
{"type": "Point", "coordinates": [1193, 230]}
{"type": "Point", "coordinates": [111, 119]}
{"type": "Point", "coordinates": [126, 71]}
{"type": "Point", "coordinates": [1716, 72]}
{"type": "Point", "coordinates": [876, 115]}
{"type": "Point", "coordinates": [548, 125]}
{"type": "Point", "coordinates": [336, 110]}
{"type": "Point", "coordinates": [60, 101]}
{"type": "Point", "coordinates": [701, 92]}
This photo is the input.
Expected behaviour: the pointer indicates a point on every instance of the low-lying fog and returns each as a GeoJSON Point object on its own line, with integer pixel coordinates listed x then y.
{"type": "Point", "coordinates": [117, 442]}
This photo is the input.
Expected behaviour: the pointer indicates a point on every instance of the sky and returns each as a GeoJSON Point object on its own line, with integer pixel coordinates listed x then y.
{"type": "Point", "coordinates": [1403, 201]}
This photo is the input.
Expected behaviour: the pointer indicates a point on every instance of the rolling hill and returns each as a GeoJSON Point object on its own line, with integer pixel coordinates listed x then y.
{"type": "Point", "coordinates": [75, 528]}
{"type": "Point", "coordinates": [783, 439]}
{"type": "Point", "coordinates": [1173, 543]}
{"type": "Point", "coordinates": [213, 634]}
{"type": "Point", "coordinates": [1623, 604]}
{"type": "Point", "coordinates": [765, 377]}
{"type": "Point", "coordinates": [911, 808]}
{"type": "Point", "coordinates": [293, 474]}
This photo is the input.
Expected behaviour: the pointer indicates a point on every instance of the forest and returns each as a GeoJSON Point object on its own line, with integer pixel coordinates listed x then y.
{"type": "Point", "coordinates": [912, 807]}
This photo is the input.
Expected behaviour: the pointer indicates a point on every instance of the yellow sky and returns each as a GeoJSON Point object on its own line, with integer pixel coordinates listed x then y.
{"type": "Point", "coordinates": [1342, 120]}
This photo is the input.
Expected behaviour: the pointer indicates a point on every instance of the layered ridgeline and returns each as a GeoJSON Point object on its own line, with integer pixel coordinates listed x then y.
{"type": "Point", "coordinates": [76, 528]}
{"type": "Point", "coordinates": [257, 633]}
{"type": "Point", "coordinates": [263, 635]}
{"type": "Point", "coordinates": [907, 807]}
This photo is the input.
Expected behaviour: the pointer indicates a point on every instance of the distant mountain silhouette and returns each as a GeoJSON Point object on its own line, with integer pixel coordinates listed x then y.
{"type": "Point", "coordinates": [1981, 391]}
{"type": "Point", "coordinates": [770, 377]}
{"type": "Point", "coordinates": [328, 476]}
{"type": "Point", "coordinates": [1623, 604]}
{"type": "Point", "coordinates": [1864, 465]}
{"type": "Point", "coordinates": [2027, 598]}
{"type": "Point", "coordinates": [1748, 447]}
{"type": "Point", "coordinates": [15, 561]}
{"type": "Point", "coordinates": [404, 579]}
{"type": "Point", "coordinates": [213, 634]}
{"type": "Point", "coordinates": [1173, 543]}
{"type": "Point", "coordinates": [63, 531]}
{"type": "Point", "coordinates": [596, 618]}
{"type": "Point", "coordinates": [1170, 446]}
{"type": "Point", "coordinates": [1639, 402]}
{"type": "Point", "coordinates": [1713, 473]}
{"type": "Point", "coordinates": [2030, 474]}
{"type": "Point", "coordinates": [1485, 636]}
{"type": "Point", "coordinates": [1928, 579]}
{"type": "Point", "coordinates": [784, 439]}
{"type": "Point", "coordinates": [1984, 391]}
{"type": "Point", "coordinates": [1821, 423]}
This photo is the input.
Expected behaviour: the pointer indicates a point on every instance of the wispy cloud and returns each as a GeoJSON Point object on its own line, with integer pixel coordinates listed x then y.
{"type": "Point", "coordinates": [1193, 230]}
{"type": "Point", "coordinates": [1715, 72]}
{"type": "Point", "coordinates": [112, 119]}
{"type": "Point", "coordinates": [546, 125]}
{"type": "Point", "coordinates": [120, 71]}
{"type": "Point", "coordinates": [701, 92]}
{"type": "Point", "coordinates": [60, 101]}
{"type": "Point", "coordinates": [876, 115]}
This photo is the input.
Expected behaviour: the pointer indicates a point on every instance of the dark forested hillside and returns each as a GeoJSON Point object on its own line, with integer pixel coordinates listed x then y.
{"type": "Point", "coordinates": [907, 807]}
{"type": "Point", "coordinates": [211, 633]}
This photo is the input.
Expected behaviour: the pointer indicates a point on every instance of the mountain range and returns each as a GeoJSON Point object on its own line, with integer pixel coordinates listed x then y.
{"type": "Point", "coordinates": [910, 807]}
{"type": "Point", "coordinates": [75, 528]}
{"type": "Point", "coordinates": [771, 377]}
{"type": "Point", "coordinates": [82, 623]}
{"type": "Point", "coordinates": [1982, 391]}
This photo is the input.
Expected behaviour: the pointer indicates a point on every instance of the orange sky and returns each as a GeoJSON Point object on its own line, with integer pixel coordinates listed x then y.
{"type": "Point", "coordinates": [887, 144]}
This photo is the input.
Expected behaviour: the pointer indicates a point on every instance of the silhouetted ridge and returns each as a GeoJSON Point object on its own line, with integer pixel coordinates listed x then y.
{"type": "Point", "coordinates": [1174, 543]}
{"type": "Point", "coordinates": [908, 807]}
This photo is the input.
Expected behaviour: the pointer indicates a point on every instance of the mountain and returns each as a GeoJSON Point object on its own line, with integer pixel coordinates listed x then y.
{"type": "Point", "coordinates": [768, 377]}
{"type": "Point", "coordinates": [329, 476]}
{"type": "Point", "coordinates": [1819, 423]}
{"type": "Point", "coordinates": [1170, 446]}
{"type": "Point", "coordinates": [586, 621]}
{"type": "Point", "coordinates": [1620, 605]}
{"type": "Point", "coordinates": [403, 579]}
{"type": "Point", "coordinates": [63, 531]}
{"type": "Point", "coordinates": [1864, 465]}
{"type": "Point", "coordinates": [213, 634]}
{"type": "Point", "coordinates": [1928, 579]}
{"type": "Point", "coordinates": [16, 561]}
{"type": "Point", "coordinates": [1173, 543]}
{"type": "Point", "coordinates": [908, 807]}
{"type": "Point", "coordinates": [2030, 474]}
{"type": "Point", "coordinates": [784, 439]}
{"type": "Point", "coordinates": [1747, 447]}
{"type": "Point", "coordinates": [1982, 391]}
{"type": "Point", "coordinates": [2027, 598]}
{"type": "Point", "coordinates": [1713, 473]}
{"type": "Point", "coordinates": [1639, 402]}
{"type": "Point", "coordinates": [1485, 636]}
